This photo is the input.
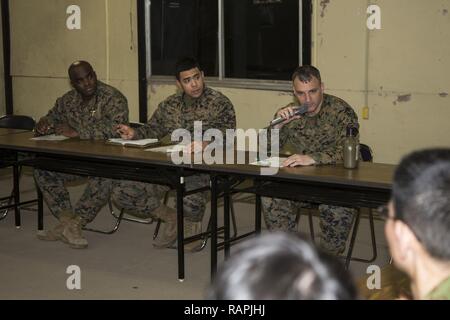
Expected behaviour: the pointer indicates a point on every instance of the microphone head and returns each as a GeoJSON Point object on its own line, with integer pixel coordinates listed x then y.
{"type": "Point", "coordinates": [299, 110]}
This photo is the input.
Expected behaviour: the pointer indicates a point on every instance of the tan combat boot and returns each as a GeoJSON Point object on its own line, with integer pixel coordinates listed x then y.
{"type": "Point", "coordinates": [168, 234]}
{"type": "Point", "coordinates": [72, 234]}
{"type": "Point", "coordinates": [55, 233]}
{"type": "Point", "coordinates": [191, 229]}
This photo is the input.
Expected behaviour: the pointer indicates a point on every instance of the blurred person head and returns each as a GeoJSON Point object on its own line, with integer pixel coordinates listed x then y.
{"type": "Point", "coordinates": [281, 266]}
{"type": "Point", "coordinates": [418, 219]}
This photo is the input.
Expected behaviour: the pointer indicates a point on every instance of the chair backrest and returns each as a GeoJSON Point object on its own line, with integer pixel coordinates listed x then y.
{"type": "Point", "coordinates": [17, 122]}
{"type": "Point", "coordinates": [365, 152]}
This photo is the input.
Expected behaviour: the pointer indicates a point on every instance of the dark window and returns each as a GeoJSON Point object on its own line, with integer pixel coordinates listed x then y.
{"type": "Point", "coordinates": [183, 28]}
{"type": "Point", "coordinates": [261, 37]}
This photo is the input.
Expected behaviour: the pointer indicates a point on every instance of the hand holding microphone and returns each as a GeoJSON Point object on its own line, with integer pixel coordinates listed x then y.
{"type": "Point", "coordinates": [286, 115]}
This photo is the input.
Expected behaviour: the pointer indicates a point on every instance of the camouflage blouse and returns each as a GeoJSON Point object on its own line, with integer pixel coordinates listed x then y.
{"type": "Point", "coordinates": [94, 119]}
{"type": "Point", "coordinates": [321, 136]}
{"type": "Point", "coordinates": [212, 108]}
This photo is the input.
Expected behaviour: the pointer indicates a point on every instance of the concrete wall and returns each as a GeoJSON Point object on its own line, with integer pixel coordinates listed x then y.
{"type": "Point", "coordinates": [399, 72]}
{"type": "Point", "coordinates": [2, 74]}
{"type": "Point", "coordinates": [43, 48]}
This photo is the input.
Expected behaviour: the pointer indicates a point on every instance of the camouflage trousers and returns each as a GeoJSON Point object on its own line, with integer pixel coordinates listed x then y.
{"type": "Point", "coordinates": [141, 199]}
{"type": "Point", "coordinates": [94, 197]}
{"type": "Point", "coordinates": [335, 222]}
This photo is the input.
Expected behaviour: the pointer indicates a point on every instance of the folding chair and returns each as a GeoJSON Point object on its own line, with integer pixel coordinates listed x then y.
{"type": "Point", "coordinates": [367, 156]}
{"type": "Point", "coordinates": [11, 159]}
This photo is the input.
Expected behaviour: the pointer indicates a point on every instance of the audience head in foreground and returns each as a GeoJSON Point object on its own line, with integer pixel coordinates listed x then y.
{"type": "Point", "coordinates": [281, 266]}
{"type": "Point", "coordinates": [418, 222]}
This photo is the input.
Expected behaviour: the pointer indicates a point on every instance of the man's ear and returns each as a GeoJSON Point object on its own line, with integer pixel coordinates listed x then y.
{"type": "Point", "coordinates": [405, 239]}
{"type": "Point", "coordinates": [322, 86]}
{"type": "Point", "coordinates": [179, 85]}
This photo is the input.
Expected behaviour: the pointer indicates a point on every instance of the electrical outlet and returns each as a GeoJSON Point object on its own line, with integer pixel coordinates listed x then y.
{"type": "Point", "coordinates": [365, 113]}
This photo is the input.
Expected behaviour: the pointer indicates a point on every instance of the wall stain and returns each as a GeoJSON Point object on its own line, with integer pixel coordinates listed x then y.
{"type": "Point", "coordinates": [444, 12]}
{"type": "Point", "coordinates": [443, 94]}
{"type": "Point", "coordinates": [323, 4]}
{"type": "Point", "coordinates": [403, 98]}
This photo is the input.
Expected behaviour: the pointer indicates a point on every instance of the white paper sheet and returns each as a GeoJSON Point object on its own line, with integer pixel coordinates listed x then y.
{"type": "Point", "coordinates": [51, 137]}
{"type": "Point", "coordinates": [140, 142]}
{"type": "Point", "coordinates": [167, 149]}
{"type": "Point", "coordinates": [274, 162]}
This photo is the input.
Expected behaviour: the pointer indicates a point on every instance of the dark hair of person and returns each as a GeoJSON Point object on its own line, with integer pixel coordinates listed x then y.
{"type": "Point", "coordinates": [184, 64]}
{"type": "Point", "coordinates": [281, 266]}
{"type": "Point", "coordinates": [306, 74]}
{"type": "Point", "coordinates": [76, 64]}
{"type": "Point", "coordinates": [421, 197]}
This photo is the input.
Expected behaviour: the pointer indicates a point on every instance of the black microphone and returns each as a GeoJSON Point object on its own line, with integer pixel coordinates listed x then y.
{"type": "Point", "coordinates": [299, 110]}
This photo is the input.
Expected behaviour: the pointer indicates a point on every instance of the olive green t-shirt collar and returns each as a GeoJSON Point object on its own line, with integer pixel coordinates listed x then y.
{"type": "Point", "coordinates": [441, 292]}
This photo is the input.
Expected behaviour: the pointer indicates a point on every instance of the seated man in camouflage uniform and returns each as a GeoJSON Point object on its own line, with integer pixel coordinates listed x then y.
{"type": "Point", "coordinates": [316, 139]}
{"type": "Point", "coordinates": [195, 102]}
{"type": "Point", "coordinates": [91, 111]}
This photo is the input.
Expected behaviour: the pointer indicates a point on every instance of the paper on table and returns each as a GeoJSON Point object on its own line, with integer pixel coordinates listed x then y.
{"type": "Point", "coordinates": [137, 143]}
{"type": "Point", "coordinates": [51, 137]}
{"type": "Point", "coordinates": [274, 162]}
{"type": "Point", "coordinates": [168, 149]}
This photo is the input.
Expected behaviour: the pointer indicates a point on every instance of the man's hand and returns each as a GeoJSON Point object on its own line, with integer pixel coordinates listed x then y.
{"type": "Point", "coordinates": [43, 127]}
{"type": "Point", "coordinates": [66, 130]}
{"type": "Point", "coordinates": [125, 132]}
{"type": "Point", "coordinates": [196, 146]}
{"type": "Point", "coordinates": [288, 114]}
{"type": "Point", "coordinates": [299, 160]}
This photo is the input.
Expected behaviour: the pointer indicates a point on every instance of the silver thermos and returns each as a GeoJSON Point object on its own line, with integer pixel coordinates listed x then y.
{"type": "Point", "coordinates": [351, 147]}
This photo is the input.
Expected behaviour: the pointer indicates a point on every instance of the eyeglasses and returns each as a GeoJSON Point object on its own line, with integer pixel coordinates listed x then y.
{"type": "Point", "coordinates": [383, 211]}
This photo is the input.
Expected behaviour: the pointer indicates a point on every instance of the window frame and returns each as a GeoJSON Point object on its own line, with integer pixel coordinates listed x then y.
{"type": "Point", "coordinates": [304, 34]}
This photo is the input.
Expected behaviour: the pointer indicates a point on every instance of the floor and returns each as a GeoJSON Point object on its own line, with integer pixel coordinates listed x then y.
{"type": "Point", "coordinates": [123, 265]}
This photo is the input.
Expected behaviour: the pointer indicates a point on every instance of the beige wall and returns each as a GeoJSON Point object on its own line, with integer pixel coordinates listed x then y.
{"type": "Point", "coordinates": [43, 48]}
{"type": "Point", "coordinates": [380, 68]}
{"type": "Point", "coordinates": [2, 74]}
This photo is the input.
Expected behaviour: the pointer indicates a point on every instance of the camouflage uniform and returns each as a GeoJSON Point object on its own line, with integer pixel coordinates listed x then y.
{"type": "Point", "coordinates": [94, 120]}
{"type": "Point", "coordinates": [178, 111]}
{"type": "Point", "coordinates": [320, 137]}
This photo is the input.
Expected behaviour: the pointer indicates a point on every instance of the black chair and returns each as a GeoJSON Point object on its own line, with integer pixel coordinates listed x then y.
{"type": "Point", "coordinates": [17, 122]}
{"type": "Point", "coordinates": [121, 216]}
{"type": "Point", "coordinates": [11, 159]}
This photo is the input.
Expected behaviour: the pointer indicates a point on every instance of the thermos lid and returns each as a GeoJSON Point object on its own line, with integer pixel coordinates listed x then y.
{"type": "Point", "coordinates": [352, 130]}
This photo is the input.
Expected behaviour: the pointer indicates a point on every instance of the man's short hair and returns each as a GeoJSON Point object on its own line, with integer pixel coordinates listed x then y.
{"type": "Point", "coordinates": [281, 266]}
{"type": "Point", "coordinates": [77, 64]}
{"type": "Point", "coordinates": [421, 198]}
{"type": "Point", "coordinates": [184, 64]}
{"type": "Point", "coordinates": [306, 74]}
